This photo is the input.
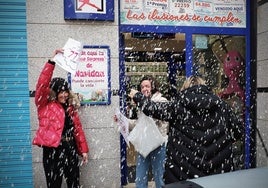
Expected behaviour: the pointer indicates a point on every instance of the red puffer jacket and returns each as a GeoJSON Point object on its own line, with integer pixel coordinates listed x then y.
{"type": "Point", "coordinates": [51, 116]}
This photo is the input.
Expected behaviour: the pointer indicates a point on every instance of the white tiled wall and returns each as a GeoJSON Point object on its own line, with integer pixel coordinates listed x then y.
{"type": "Point", "coordinates": [46, 31]}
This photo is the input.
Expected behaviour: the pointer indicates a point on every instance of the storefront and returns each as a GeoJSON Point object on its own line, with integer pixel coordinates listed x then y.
{"type": "Point", "coordinates": [172, 40]}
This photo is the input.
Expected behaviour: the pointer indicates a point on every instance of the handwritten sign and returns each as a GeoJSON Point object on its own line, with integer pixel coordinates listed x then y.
{"type": "Point", "coordinates": [69, 59]}
{"type": "Point", "coordinates": [123, 125]}
{"type": "Point", "coordinates": [212, 13]}
{"type": "Point", "coordinates": [92, 77]}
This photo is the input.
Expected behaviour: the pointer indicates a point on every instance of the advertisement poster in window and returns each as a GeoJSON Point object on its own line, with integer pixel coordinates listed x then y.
{"type": "Point", "coordinates": [89, 10]}
{"type": "Point", "coordinates": [212, 13]}
{"type": "Point", "coordinates": [91, 81]}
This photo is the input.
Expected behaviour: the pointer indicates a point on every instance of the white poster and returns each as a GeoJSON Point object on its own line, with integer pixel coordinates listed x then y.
{"type": "Point", "coordinates": [70, 57]}
{"type": "Point", "coordinates": [123, 125]}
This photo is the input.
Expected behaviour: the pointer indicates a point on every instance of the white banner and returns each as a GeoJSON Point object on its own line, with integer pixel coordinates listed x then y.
{"type": "Point", "coordinates": [205, 13]}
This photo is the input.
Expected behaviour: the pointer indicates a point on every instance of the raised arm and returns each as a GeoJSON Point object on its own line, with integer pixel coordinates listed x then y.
{"type": "Point", "coordinates": [42, 86]}
{"type": "Point", "coordinates": [165, 111]}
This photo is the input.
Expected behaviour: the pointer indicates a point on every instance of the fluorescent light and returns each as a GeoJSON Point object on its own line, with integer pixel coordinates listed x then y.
{"type": "Point", "coordinates": [128, 48]}
{"type": "Point", "coordinates": [157, 49]}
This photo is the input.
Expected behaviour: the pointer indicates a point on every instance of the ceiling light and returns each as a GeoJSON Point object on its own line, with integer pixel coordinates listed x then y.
{"type": "Point", "coordinates": [128, 48]}
{"type": "Point", "coordinates": [157, 49]}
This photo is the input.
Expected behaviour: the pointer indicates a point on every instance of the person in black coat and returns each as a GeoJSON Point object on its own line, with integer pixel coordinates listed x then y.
{"type": "Point", "coordinates": [202, 129]}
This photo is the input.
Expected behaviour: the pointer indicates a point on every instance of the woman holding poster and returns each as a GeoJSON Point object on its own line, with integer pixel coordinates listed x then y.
{"type": "Point", "coordinates": [60, 131]}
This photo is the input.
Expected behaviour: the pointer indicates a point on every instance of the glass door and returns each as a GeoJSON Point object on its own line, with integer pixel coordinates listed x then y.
{"type": "Point", "coordinates": [220, 60]}
{"type": "Point", "coordinates": [161, 55]}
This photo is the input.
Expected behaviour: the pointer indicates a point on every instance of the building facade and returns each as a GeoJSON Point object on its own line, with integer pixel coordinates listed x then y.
{"type": "Point", "coordinates": [262, 60]}
{"type": "Point", "coordinates": [47, 30]}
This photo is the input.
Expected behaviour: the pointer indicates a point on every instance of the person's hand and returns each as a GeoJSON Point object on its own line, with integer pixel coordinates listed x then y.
{"type": "Point", "coordinates": [84, 158]}
{"type": "Point", "coordinates": [132, 93]}
{"type": "Point", "coordinates": [57, 51]}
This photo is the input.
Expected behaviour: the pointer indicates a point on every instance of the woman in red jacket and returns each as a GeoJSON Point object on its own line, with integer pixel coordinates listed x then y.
{"type": "Point", "coordinates": [60, 131]}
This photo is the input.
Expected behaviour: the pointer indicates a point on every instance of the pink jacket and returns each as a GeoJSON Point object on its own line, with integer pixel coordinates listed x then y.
{"type": "Point", "coordinates": [51, 116]}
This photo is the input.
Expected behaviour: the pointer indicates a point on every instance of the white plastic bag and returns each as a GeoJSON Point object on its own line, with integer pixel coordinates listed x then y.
{"type": "Point", "coordinates": [145, 136]}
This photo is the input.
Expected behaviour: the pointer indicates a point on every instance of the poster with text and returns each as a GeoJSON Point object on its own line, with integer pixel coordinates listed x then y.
{"type": "Point", "coordinates": [205, 13]}
{"type": "Point", "coordinates": [91, 80]}
{"type": "Point", "coordinates": [123, 125]}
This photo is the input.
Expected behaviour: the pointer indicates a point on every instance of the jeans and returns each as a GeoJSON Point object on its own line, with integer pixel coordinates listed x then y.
{"type": "Point", "coordinates": [156, 159]}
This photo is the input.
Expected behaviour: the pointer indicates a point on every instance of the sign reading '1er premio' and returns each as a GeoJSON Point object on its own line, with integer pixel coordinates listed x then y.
{"type": "Point", "coordinates": [92, 77]}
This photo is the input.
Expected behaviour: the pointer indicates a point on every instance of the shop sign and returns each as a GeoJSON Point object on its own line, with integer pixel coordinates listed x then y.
{"type": "Point", "coordinates": [91, 80]}
{"type": "Point", "coordinates": [205, 13]}
{"type": "Point", "coordinates": [89, 10]}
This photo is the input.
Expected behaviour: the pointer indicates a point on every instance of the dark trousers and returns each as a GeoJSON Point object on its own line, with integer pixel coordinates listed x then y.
{"type": "Point", "coordinates": [59, 162]}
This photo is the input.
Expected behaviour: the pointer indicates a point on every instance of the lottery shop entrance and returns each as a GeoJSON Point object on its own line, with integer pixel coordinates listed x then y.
{"type": "Point", "coordinates": [171, 52]}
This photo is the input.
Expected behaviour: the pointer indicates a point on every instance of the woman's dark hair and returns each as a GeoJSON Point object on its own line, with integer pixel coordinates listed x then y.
{"type": "Point", "coordinates": [154, 83]}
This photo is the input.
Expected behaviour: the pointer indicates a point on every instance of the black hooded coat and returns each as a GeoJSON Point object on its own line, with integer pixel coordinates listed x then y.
{"type": "Point", "coordinates": [202, 128]}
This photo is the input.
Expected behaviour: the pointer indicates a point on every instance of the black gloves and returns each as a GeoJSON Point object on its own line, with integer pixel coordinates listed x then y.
{"type": "Point", "coordinates": [51, 62]}
{"type": "Point", "coordinates": [139, 99]}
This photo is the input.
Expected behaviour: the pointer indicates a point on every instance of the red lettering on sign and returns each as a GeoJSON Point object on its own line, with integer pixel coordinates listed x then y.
{"type": "Point", "coordinates": [135, 16]}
